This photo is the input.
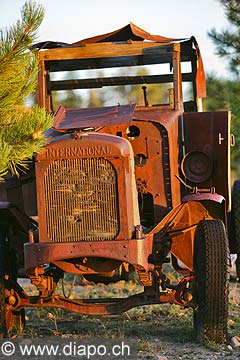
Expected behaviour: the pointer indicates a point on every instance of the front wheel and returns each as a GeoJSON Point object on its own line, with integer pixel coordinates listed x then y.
{"type": "Point", "coordinates": [211, 265]}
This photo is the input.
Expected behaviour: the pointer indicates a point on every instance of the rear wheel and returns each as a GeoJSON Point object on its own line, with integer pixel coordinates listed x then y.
{"type": "Point", "coordinates": [235, 217]}
{"type": "Point", "coordinates": [211, 264]}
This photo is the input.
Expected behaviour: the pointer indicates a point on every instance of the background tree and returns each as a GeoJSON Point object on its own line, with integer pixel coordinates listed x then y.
{"type": "Point", "coordinates": [124, 94]}
{"type": "Point", "coordinates": [228, 41]}
{"type": "Point", "coordinates": [21, 129]}
{"type": "Point", "coordinates": [225, 94]}
{"type": "Point", "coordinates": [110, 95]}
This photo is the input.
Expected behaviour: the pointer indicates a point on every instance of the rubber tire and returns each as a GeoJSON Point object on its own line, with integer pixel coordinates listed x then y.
{"type": "Point", "coordinates": [235, 219]}
{"type": "Point", "coordinates": [211, 265]}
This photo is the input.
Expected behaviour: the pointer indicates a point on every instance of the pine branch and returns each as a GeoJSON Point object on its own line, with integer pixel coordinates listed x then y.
{"type": "Point", "coordinates": [228, 41]}
{"type": "Point", "coordinates": [21, 130]}
{"type": "Point", "coordinates": [19, 37]}
{"type": "Point", "coordinates": [23, 137]}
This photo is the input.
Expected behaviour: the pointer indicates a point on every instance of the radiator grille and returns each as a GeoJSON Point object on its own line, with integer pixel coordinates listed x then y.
{"type": "Point", "coordinates": [81, 200]}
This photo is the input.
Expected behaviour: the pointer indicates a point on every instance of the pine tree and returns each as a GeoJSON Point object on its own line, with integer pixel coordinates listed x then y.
{"type": "Point", "coordinates": [228, 41]}
{"type": "Point", "coordinates": [21, 129]}
{"type": "Point", "coordinates": [225, 93]}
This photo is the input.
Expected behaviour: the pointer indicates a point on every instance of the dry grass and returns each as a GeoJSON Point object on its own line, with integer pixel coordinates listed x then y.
{"type": "Point", "coordinates": [159, 329]}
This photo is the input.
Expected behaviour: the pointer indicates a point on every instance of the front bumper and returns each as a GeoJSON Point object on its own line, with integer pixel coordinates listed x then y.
{"type": "Point", "coordinates": [132, 251]}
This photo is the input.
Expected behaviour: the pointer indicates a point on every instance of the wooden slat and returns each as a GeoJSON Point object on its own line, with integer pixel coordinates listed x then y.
{"type": "Point", "coordinates": [108, 62]}
{"type": "Point", "coordinates": [102, 50]}
{"type": "Point", "coordinates": [113, 81]}
{"type": "Point", "coordinates": [177, 81]}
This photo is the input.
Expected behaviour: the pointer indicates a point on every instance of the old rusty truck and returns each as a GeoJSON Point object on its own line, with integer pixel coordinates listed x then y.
{"type": "Point", "coordinates": [132, 177]}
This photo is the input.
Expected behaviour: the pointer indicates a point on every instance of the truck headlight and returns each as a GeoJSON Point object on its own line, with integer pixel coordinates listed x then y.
{"type": "Point", "coordinates": [196, 166]}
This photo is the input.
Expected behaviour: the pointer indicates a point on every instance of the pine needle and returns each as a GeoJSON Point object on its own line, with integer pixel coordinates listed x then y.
{"type": "Point", "coordinates": [21, 129]}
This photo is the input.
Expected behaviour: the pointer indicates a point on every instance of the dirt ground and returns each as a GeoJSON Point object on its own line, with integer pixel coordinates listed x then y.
{"type": "Point", "coordinates": [161, 331]}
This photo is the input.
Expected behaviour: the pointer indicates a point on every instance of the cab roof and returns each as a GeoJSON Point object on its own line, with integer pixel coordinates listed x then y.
{"type": "Point", "coordinates": [129, 32]}
{"type": "Point", "coordinates": [127, 46]}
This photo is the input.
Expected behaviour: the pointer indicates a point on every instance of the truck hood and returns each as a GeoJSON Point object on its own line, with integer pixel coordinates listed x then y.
{"type": "Point", "coordinates": [70, 119]}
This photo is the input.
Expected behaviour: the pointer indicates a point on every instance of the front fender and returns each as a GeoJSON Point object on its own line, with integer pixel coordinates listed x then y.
{"type": "Point", "coordinates": [11, 216]}
{"type": "Point", "coordinates": [181, 222]}
{"type": "Point", "coordinates": [204, 196]}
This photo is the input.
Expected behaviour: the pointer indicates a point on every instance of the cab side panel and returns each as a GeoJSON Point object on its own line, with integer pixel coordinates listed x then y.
{"type": "Point", "coordinates": [209, 133]}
